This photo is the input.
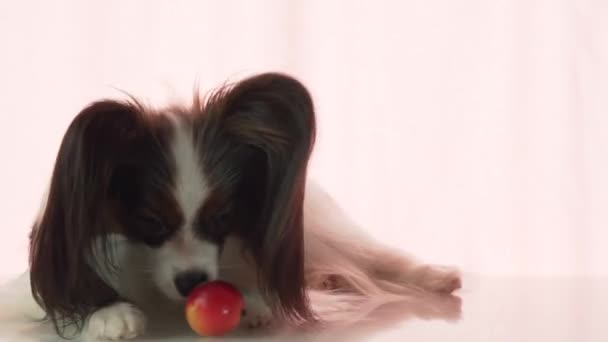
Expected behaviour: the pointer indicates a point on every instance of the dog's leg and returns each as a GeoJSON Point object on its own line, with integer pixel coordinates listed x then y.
{"type": "Point", "coordinates": [257, 314]}
{"type": "Point", "coordinates": [360, 267]}
{"type": "Point", "coordinates": [339, 255]}
{"type": "Point", "coordinates": [239, 269]}
{"type": "Point", "coordinates": [395, 266]}
{"type": "Point", "coordinates": [117, 321]}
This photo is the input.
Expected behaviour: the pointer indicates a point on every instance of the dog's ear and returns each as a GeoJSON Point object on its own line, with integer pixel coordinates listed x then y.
{"type": "Point", "coordinates": [62, 280]}
{"type": "Point", "coordinates": [259, 133]}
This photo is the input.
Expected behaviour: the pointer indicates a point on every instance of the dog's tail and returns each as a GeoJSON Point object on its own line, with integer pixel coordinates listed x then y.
{"type": "Point", "coordinates": [351, 275]}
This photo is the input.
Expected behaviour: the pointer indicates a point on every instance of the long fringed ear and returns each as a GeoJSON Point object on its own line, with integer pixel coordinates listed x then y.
{"type": "Point", "coordinates": [266, 125]}
{"type": "Point", "coordinates": [62, 280]}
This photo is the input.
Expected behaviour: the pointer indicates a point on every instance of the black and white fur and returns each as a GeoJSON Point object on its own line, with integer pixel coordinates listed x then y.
{"type": "Point", "coordinates": [144, 204]}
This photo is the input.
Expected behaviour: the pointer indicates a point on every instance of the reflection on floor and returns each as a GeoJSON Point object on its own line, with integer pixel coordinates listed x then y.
{"type": "Point", "coordinates": [491, 309]}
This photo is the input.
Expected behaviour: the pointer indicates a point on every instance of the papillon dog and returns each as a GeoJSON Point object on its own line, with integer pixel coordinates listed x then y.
{"type": "Point", "coordinates": [145, 204]}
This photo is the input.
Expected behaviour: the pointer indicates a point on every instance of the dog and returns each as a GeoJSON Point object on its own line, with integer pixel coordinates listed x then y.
{"type": "Point", "coordinates": [146, 204]}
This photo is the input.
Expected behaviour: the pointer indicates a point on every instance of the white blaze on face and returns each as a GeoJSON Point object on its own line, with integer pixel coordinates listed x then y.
{"type": "Point", "coordinates": [190, 187]}
{"type": "Point", "coordinates": [185, 251]}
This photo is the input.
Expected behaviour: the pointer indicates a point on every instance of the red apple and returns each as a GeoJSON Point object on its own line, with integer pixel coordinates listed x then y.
{"type": "Point", "coordinates": [214, 308]}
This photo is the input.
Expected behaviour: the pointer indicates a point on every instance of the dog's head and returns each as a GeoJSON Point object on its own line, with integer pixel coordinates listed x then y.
{"type": "Point", "coordinates": [180, 181]}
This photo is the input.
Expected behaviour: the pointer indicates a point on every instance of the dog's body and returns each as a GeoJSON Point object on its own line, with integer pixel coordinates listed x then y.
{"type": "Point", "coordinates": [145, 205]}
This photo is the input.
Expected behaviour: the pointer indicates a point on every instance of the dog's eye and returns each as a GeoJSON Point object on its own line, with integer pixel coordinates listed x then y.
{"type": "Point", "coordinates": [222, 219]}
{"type": "Point", "coordinates": [156, 227]}
{"type": "Point", "coordinates": [216, 227]}
{"type": "Point", "coordinates": [218, 222]}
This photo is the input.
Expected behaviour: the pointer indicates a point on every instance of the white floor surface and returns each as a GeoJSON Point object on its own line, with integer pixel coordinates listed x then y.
{"type": "Point", "coordinates": [491, 309]}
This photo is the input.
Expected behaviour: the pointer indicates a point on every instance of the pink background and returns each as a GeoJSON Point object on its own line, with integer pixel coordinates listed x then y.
{"type": "Point", "coordinates": [468, 132]}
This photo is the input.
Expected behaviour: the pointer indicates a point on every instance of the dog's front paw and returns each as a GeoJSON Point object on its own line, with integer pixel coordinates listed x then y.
{"type": "Point", "coordinates": [441, 279]}
{"type": "Point", "coordinates": [115, 322]}
{"type": "Point", "coordinates": [257, 314]}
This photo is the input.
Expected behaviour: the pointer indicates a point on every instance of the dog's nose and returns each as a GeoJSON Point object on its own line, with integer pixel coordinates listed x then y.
{"type": "Point", "coordinates": [186, 281]}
